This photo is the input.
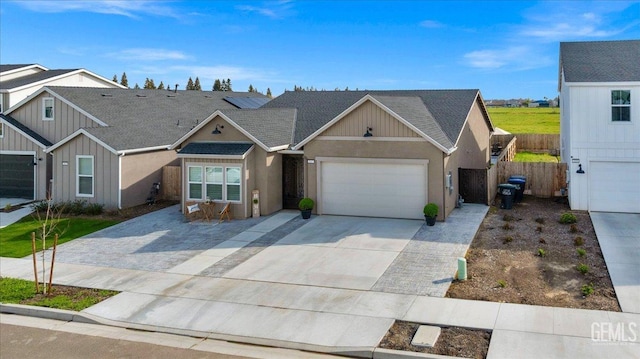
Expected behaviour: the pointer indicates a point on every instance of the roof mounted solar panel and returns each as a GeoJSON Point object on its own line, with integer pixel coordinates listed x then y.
{"type": "Point", "coordinates": [247, 102]}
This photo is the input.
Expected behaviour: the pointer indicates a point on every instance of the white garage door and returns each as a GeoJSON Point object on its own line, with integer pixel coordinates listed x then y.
{"type": "Point", "coordinates": [615, 187]}
{"type": "Point", "coordinates": [373, 189]}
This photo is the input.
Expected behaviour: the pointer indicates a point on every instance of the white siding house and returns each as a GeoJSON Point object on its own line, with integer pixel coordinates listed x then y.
{"type": "Point", "coordinates": [599, 84]}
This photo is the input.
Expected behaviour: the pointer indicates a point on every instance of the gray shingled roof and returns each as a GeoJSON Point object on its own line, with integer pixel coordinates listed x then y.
{"type": "Point", "coordinates": [600, 61]}
{"type": "Point", "coordinates": [271, 126]}
{"type": "Point", "coordinates": [37, 77]}
{"type": "Point", "coordinates": [216, 148]}
{"type": "Point", "coordinates": [35, 136]}
{"type": "Point", "coordinates": [448, 108]}
{"type": "Point", "coordinates": [9, 67]}
{"type": "Point", "coordinates": [145, 118]}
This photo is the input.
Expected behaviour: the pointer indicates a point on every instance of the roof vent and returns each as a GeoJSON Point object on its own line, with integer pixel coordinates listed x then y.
{"type": "Point", "coordinates": [171, 95]}
{"type": "Point", "coordinates": [140, 95]}
{"type": "Point", "coordinates": [106, 95]}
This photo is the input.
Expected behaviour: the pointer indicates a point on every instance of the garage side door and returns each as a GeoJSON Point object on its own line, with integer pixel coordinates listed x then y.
{"type": "Point", "coordinates": [16, 176]}
{"type": "Point", "coordinates": [614, 187]}
{"type": "Point", "coordinates": [373, 189]}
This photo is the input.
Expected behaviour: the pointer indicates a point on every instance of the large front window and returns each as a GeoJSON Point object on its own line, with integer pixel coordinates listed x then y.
{"type": "Point", "coordinates": [215, 183]}
{"type": "Point", "coordinates": [84, 176]}
{"type": "Point", "coordinates": [621, 105]}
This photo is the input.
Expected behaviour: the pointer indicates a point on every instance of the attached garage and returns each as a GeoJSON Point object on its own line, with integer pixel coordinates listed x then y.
{"type": "Point", "coordinates": [373, 188]}
{"type": "Point", "coordinates": [17, 176]}
{"type": "Point", "coordinates": [613, 186]}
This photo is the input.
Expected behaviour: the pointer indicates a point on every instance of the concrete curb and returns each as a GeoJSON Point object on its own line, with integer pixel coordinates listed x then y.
{"type": "Point", "coordinates": [71, 316]}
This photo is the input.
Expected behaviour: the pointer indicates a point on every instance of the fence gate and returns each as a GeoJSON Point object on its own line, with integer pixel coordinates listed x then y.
{"type": "Point", "coordinates": [472, 184]}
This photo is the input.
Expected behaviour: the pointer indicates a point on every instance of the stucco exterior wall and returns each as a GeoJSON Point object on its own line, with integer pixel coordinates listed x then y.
{"type": "Point", "coordinates": [140, 171]}
{"type": "Point", "coordinates": [66, 119]}
{"type": "Point", "coordinates": [106, 169]}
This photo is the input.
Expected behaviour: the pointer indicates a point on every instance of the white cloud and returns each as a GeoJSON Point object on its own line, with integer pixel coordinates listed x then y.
{"type": "Point", "coordinates": [274, 10]}
{"type": "Point", "coordinates": [513, 58]}
{"type": "Point", "coordinates": [431, 24]}
{"type": "Point", "coordinates": [235, 73]}
{"type": "Point", "coordinates": [148, 54]}
{"type": "Point", "coordinates": [113, 7]}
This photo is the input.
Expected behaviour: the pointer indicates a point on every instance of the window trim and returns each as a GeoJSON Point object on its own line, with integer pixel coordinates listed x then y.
{"type": "Point", "coordinates": [1, 129]}
{"type": "Point", "coordinates": [189, 182]}
{"type": "Point", "coordinates": [92, 176]}
{"type": "Point", "coordinates": [624, 105]}
{"type": "Point", "coordinates": [44, 109]}
{"type": "Point", "coordinates": [204, 182]}
{"type": "Point", "coordinates": [227, 184]}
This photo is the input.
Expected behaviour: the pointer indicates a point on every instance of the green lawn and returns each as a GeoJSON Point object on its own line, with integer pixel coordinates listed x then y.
{"type": "Point", "coordinates": [15, 239]}
{"type": "Point", "coordinates": [525, 156]}
{"type": "Point", "coordinates": [19, 291]}
{"type": "Point", "coordinates": [526, 120]}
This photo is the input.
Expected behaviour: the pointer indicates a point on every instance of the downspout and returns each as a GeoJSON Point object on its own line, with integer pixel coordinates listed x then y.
{"type": "Point", "coordinates": [444, 193]}
{"type": "Point", "coordinates": [120, 182]}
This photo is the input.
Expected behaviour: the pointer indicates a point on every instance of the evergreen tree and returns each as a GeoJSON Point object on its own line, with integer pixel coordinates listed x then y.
{"type": "Point", "coordinates": [196, 85]}
{"type": "Point", "coordinates": [229, 85]}
{"type": "Point", "coordinates": [115, 78]}
{"type": "Point", "coordinates": [217, 86]}
{"type": "Point", "coordinates": [123, 80]}
{"type": "Point", "coordinates": [251, 89]}
{"type": "Point", "coordinates": [149, 84]}
{"type": "Point", "coordinates": [136, 87]}
{"type": "Point", "coordinates": [190, 84]}
{"type": "Point", "coordinates": [161, 86]}
{"type": "Point", "coordinates": [269, 93]}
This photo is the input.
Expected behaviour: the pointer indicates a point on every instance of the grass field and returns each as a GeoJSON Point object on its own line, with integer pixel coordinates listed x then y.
{"type": "Point", "coordinates": [15, 239]}
{"type": "Point", "coordinates": [526, 120]}
{"type": "Point", "coordinates": [525, 156]}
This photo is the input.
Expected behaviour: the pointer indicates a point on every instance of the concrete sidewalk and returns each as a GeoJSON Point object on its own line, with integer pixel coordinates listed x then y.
{"type": "Point", "coordinates": [14, 216]}
{"type": "Point", "coordinates": [333, 320]}
{"type": "Point", "coordinates": [619, 238]}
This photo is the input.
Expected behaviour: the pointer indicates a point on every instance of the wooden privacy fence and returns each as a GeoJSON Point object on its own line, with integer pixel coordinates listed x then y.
{"type": "Point", "coordinates": [544, 179]}
{"type": "Point", "coordinates": [478, 185]}
{"type": "Point", "coordinates": [171, 186]}
{"type": "Point", "coordinates": [535, 142]}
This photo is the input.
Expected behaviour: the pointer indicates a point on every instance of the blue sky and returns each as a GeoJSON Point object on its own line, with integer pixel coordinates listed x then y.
{"type": "Point", "coordinates": [507, 49]}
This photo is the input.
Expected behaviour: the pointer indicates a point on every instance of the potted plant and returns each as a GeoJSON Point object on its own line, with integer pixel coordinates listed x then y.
{"type": "Point", "coordinates": [430, 213]}
{"type": "Point", "coordinates": [306, 205]}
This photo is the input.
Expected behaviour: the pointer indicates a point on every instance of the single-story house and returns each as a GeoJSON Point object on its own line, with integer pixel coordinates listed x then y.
{"type": "Point", "coordinates": [102, 145]}
{"type": "Point", "coordinates": [361, 153]}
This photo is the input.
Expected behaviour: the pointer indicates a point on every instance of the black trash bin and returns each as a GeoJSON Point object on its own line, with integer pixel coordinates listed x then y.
{"type": "Point", "coordinates": [507, 192]}
{"type": "Point", "coordinates": [520, 182]}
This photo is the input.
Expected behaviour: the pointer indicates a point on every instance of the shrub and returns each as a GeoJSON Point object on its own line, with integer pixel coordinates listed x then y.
{"type": "Point", "coordinates": [581, 252]}
{"type": "Point", "coordinates": [540, 220]}
{"type": "Point", "coordinates": [76, 207]}
{"type": "Point", "coordinates": [587, 289]}
{"type": "Point", "coordinates": [40, 206]}
{"type": "Point", "coordinates": [568, 217]}
{"type": "Point", "coordinates": [507, 227]}
{"type": "Point", "coordinates": [539, 229]}
{"type": "Point", "coordinates": [578, 241]}
{"type": "Point", "coordinates": [7, 208]}
{"type": "Point", "coordinates": [94, 209]}
{"type": "Point", "coordinates": [430, 210]}
{"type": "Point", "coordinates": [306, 204]}
{"type": "Point", "coordinates": [582, 268]}
{"type": "Point", "coordinates": [502, 283]}
{"type": "Point", "coordinates": [573, 229]}
{"type": "Point", "coordinates": [541, 240]}
{"type": "Point", "coordinates": [542, 252]}
{"type": "Point", "coordinates": [508, 239]}
{"type": "Point", "coordinates": [507, 218]}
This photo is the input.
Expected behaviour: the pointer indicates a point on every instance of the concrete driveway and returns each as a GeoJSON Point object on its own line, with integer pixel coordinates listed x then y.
{"type": "Point", "coordinates": [619, 238]}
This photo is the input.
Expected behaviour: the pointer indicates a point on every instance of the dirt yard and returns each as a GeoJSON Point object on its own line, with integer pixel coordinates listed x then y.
{"type": "Point", "coordinates": [525, 255]}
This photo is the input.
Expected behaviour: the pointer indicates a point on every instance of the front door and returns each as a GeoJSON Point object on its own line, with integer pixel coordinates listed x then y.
{"type": "Point", "coordinates": [292, 181]}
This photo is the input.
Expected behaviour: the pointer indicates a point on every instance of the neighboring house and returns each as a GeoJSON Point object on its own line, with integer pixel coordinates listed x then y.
{"type": "Point", "coordinates": [360, 153]}
{"type": "Point", "coordinates": [599, 84]}
{"type": "Point", "coordinates": [101, 145]}
{"type": "Point", "coordinates": [19, 81]}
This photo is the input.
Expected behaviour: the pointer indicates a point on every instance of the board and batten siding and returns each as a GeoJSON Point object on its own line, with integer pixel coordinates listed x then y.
{"type": "Point", "coordinates": [106, 168]}
{"type": "Point", "coordinates": [12, 142]}
{"type": "Point", "coordinates": [593, 136]}
{"type": "Point", "coordinates": [369, 115]}
{"type": "Point", "coordinates": [66, 119]}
